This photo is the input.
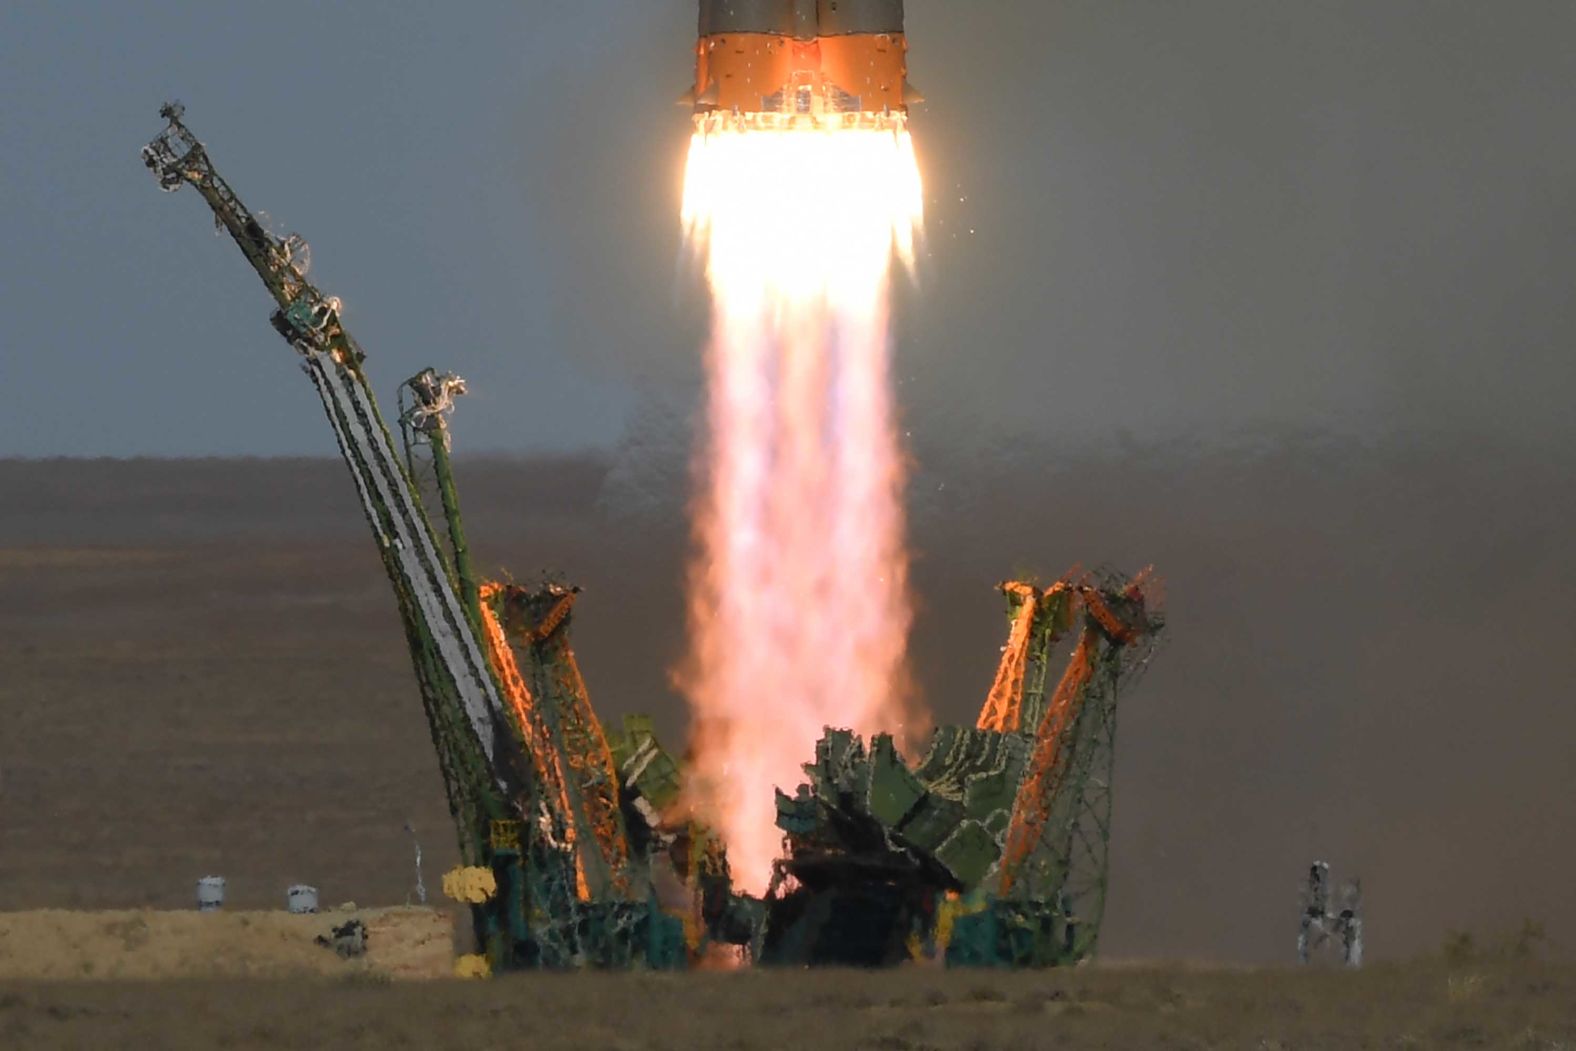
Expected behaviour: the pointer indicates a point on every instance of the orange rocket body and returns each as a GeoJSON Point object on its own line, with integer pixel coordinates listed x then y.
{"type": "Point", "coordinates": [776, 63]}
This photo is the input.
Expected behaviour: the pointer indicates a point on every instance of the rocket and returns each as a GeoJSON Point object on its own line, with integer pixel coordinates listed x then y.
{"type": "Point", "coordinates": [789, 63]}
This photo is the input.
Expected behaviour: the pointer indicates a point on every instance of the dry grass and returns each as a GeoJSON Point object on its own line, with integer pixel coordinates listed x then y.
{"type": "Point", "coordinates": [1531, 1007]}
{"type": "Point", "coordinates": [56, 945]}
{"type": "Point", "coordinates": [256, 980]}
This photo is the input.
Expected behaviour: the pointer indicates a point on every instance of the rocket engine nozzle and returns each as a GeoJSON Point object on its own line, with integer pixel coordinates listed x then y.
{"type": "Point", "coordinates": [783, 63]}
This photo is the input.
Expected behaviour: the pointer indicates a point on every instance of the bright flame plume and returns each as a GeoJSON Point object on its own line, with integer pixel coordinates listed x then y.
{"type": "Point", "coordinates": [799, 591]}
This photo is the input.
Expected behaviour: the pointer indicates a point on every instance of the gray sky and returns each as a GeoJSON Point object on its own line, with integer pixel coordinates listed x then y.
{"type": "Point", "coordinates": [1149, 217]}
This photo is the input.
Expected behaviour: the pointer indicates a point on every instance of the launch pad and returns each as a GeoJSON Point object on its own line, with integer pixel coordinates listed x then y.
{"type": "Point", "coordinates": [585, 848]}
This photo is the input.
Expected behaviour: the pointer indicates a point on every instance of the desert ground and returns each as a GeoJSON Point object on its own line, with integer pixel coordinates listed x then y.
{"type": "Point", "coordinates": [146, 945]}
{"type": "Point", "coordinates": [201, 672]}
{"type": "Point", "coordinates": [1431, 1005]}
{"type": "Point", "coordinates": [178, 979]}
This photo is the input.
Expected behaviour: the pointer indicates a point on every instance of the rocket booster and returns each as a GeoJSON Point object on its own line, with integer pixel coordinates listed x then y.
{"type": "Point", "coordinates": [784, 63]}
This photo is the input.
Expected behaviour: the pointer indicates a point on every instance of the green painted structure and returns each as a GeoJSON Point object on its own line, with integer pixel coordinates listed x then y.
{"type": "Point", "coordinates": [989, 851]}
{"type": "Point", "coordinates": [550, 909]}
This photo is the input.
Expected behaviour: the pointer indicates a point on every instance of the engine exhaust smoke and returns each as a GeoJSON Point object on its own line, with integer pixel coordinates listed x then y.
{"type": "Point", "coordinates": [799, 603]}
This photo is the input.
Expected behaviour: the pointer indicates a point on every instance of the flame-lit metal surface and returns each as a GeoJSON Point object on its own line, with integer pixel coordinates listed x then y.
{"type": "Point", "coordinates": [991, 849]}
{"type": "Point", "coordinates": [800, 604]}
{"type": "Point", "coordinates": [580, 850]}
{"type": "Point", "coordinates": [784, 63]}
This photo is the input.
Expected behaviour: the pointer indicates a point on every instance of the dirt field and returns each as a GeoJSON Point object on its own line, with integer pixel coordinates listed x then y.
{"type": "Point", "coordinates": [258, 980]}
{"type": "Point", "coordinates": [202, 672]}
{"type": "Point", "coordinates": [146, 946]}
{"type": "Point", "coordinates": [1424, 1006]}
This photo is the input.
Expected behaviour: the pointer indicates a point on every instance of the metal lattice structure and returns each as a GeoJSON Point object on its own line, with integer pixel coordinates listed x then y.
{"type": "Point", "coordinates": [546, 869]}
{"type": "Point", "coordinates": [535, 626]}
{"type": "Point", "coordinates": [991, 850]}
{"type": "Point", "coordinates": [1039, 620]}
{"type": "Point", "coordinates": [426, 401]}
{"type": "Point", "coordinates": [463, 705]}
{"type": "Point", "coordinates": [1056, 845]}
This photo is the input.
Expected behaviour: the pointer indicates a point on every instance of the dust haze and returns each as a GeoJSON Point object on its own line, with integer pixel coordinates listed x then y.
{"type": "Point", "coordinates": [205, 671]}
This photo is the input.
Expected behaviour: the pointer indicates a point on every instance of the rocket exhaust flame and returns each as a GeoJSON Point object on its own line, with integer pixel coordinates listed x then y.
{"type": "Point", "coordinates": [799, 589]}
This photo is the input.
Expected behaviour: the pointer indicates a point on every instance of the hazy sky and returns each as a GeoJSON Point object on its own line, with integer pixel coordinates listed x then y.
{"type": "Point", "coordinates": [1149, 217]}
